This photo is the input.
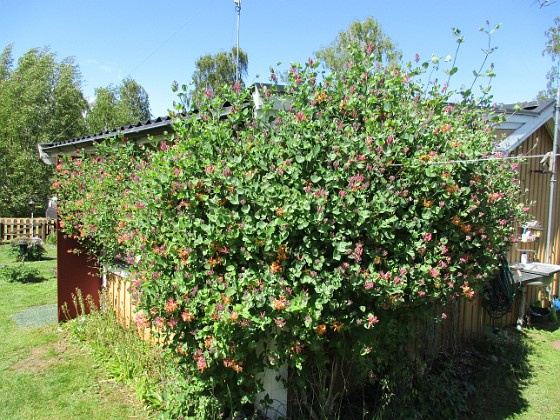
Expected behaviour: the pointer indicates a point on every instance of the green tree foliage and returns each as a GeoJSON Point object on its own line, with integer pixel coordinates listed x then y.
{"type": "Point", "coordinates": [552, 48]}
{"type": "Point", "coordinates": [368, 33]}
{"type": "Point", "coordinates": [116, 106]}
{"type": "Point", "coordinates": [40, 101]}
{"type": "Point", "coordinates": [213, 72]}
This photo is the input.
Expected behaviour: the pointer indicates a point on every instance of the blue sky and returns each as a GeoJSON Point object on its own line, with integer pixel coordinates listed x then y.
{"type": "Point", "coordinates": [156, 43]}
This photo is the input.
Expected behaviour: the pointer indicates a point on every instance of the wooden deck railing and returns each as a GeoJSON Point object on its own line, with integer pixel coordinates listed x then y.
{"type": "Point", "coordinates": [13, 228]}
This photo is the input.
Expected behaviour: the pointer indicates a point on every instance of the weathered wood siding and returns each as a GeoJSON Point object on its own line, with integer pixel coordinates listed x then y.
{"type": "Point", "coordinates": [120, 299]}
{"type": "Point", "coordinates": [466, 320]}
{"type": "Point", "coordinates": [537, 185]}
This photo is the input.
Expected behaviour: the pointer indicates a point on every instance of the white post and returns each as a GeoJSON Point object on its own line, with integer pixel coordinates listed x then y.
{"type": "Point", "coordinates": [551, 215]}
{"type": "Point", "coordinates": [238, 10]}
{"type": "Point", "coordinates": [273, 380]}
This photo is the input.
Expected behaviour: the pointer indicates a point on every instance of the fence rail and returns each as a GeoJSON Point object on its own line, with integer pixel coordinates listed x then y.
{"type": "Point", "coordinates": [12, 228]}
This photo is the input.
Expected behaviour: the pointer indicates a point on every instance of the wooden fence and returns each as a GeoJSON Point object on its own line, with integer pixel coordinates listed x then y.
{"type": "Point", "coordinates": [119, 297]}
{"type": "Point", "coordinates": [465, 320]}
{"type": "Point", "coordinates": [118, 294]}
{"type": "Point", "coordinates": [12, 228]}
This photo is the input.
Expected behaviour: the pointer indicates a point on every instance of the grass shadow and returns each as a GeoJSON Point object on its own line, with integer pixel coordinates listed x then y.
{"type": "Point", "coordinates": [502, 373]}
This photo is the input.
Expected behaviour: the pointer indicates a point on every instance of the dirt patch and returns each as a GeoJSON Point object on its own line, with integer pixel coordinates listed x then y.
{"type": "Point", "coordinates": [41, 358]}
{"type": "Point", "coordinates": [556, 345]}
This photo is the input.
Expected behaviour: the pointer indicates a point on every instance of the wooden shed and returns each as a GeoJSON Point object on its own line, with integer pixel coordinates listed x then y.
{"type": "Point", "coordinates": [527, 131]}
{"type": "Point", "coordinates": [77, 270]}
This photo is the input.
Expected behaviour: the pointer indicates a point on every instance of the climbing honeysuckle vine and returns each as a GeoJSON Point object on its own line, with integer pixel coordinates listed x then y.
{"type": "Point", "coordinates": [309, 236]}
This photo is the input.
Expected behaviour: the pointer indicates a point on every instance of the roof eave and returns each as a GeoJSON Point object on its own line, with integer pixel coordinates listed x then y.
{"type": "Point", "coordinates": [512, 141]}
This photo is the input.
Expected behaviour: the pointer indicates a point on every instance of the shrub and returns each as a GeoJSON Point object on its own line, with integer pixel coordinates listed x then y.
{"type": "Point", "coordinates": [21, 274]}
{"type": "Point", "coordinates": [28, 249]}
{"type": "Point", "coordinates": [313, 237]}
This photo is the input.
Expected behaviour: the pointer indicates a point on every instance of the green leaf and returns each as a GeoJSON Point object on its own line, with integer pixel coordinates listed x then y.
{"type": "Point", "coordinates": [234, 199]}
{"type": "Point", "coordinates": [315, 178]}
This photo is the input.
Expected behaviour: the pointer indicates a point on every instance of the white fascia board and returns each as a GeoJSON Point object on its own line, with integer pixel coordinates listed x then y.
{"type": "Point", "coordinates": [522, 133]}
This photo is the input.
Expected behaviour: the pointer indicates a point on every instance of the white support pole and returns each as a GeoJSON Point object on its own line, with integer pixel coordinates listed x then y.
{"type": "Point", "coordinates": [238, 10]}
{"type": "Point", "coordinates": [551, 213]}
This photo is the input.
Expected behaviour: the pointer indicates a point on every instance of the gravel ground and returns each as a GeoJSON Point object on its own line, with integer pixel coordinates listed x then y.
{"type": "Point", "coordinates": [37, 316]}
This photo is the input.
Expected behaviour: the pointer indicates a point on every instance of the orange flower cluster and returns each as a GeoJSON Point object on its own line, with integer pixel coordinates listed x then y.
{"type": "Point", "coordinates": [451, 189]}
{"type": "Point", "coordinates": [184, 255]}
{"type": "Point", "coordinates": [282, 253]}
{"type": "Point", "coordinates": [281, 303]}
{"type": "Point", "coordinates": [337, 326]}
{"type": "Point", "coordinates": [321, 329]}
{"type": "Point", "coordinates": [468, 292]}
{"type": "Point", "coordinates": [296, 348]}
{"type": "Point", "coordinates": [456, 221]}
{"type": "Point", "coordinates": [233, 364]}
{"type": "Point", "coordinates": [425, 158]}
{"type": "Point", "coordinates": [187, 316]}
{"type": "Point", "coordinates": [493, 197]}
{"type": "Point", "coordinates": [445, 128]}
{"type": "Point", "coordinates": [171, 306]}
{"type": "Point", "coordinates": [275, 267]}
{"type": "Point", "coordinates": [321, 97]}
{"type": "Point", "coordinates": [428, 203]}
{"type": "Point", "coordinates": [213, 261]}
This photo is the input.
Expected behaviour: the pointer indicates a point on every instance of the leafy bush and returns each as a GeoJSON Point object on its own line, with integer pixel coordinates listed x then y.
{"type": "Point", "coordinates": [21, 274]}
{"type": "Point", "coordinates": [313, 237]}
{"type": "Point", "coordinates": [28, 249]}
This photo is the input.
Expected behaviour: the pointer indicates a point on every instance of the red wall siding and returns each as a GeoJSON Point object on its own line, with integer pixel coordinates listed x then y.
{"type": "Point", "coordinates": [74, 271]}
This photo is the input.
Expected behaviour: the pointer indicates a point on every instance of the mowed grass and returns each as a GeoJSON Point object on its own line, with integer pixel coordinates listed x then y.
{"type": "Point", "coordinates": [44, 374]}
{"type": "Point", "coordinates": [542, 390]}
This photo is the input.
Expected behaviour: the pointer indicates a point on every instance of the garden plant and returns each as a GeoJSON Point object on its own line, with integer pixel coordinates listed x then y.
{"type": "Point", "coordinates": [311, 237]}
{"type": "Point", "coordinates": [28, 249]}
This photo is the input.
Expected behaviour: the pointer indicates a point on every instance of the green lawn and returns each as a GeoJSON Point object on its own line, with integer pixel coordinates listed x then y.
{"type": "Point", "coordinates": [44, 374]}
{"type": "Point", "coordinates": [542, 390]}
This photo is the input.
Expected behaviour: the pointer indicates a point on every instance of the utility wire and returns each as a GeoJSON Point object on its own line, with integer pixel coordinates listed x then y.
{"type": "Point", "coordinates": [140, 64]}
{"type": "Point", "coordinates": [450, 162]}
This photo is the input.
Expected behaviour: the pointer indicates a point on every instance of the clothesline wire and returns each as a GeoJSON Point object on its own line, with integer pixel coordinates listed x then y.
{"type": "Point", "coordinates": [450, 162]}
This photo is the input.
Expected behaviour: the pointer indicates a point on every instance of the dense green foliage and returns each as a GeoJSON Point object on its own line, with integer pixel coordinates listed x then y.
{"type": "Point", "coordinates": [366, 33]}
{"type": "Point", "coordinates": [310, 237]}
{"type": "Point", "coordinates": [20, 274]}
{"type": "Point", "coordinates": [40, 101]}
{"type": "Point", "coordinates": [86, 372]}
{"type": "Point", "coordinates": [213, 72]}
{"type": "Point", "coordinates": [117, 106]}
